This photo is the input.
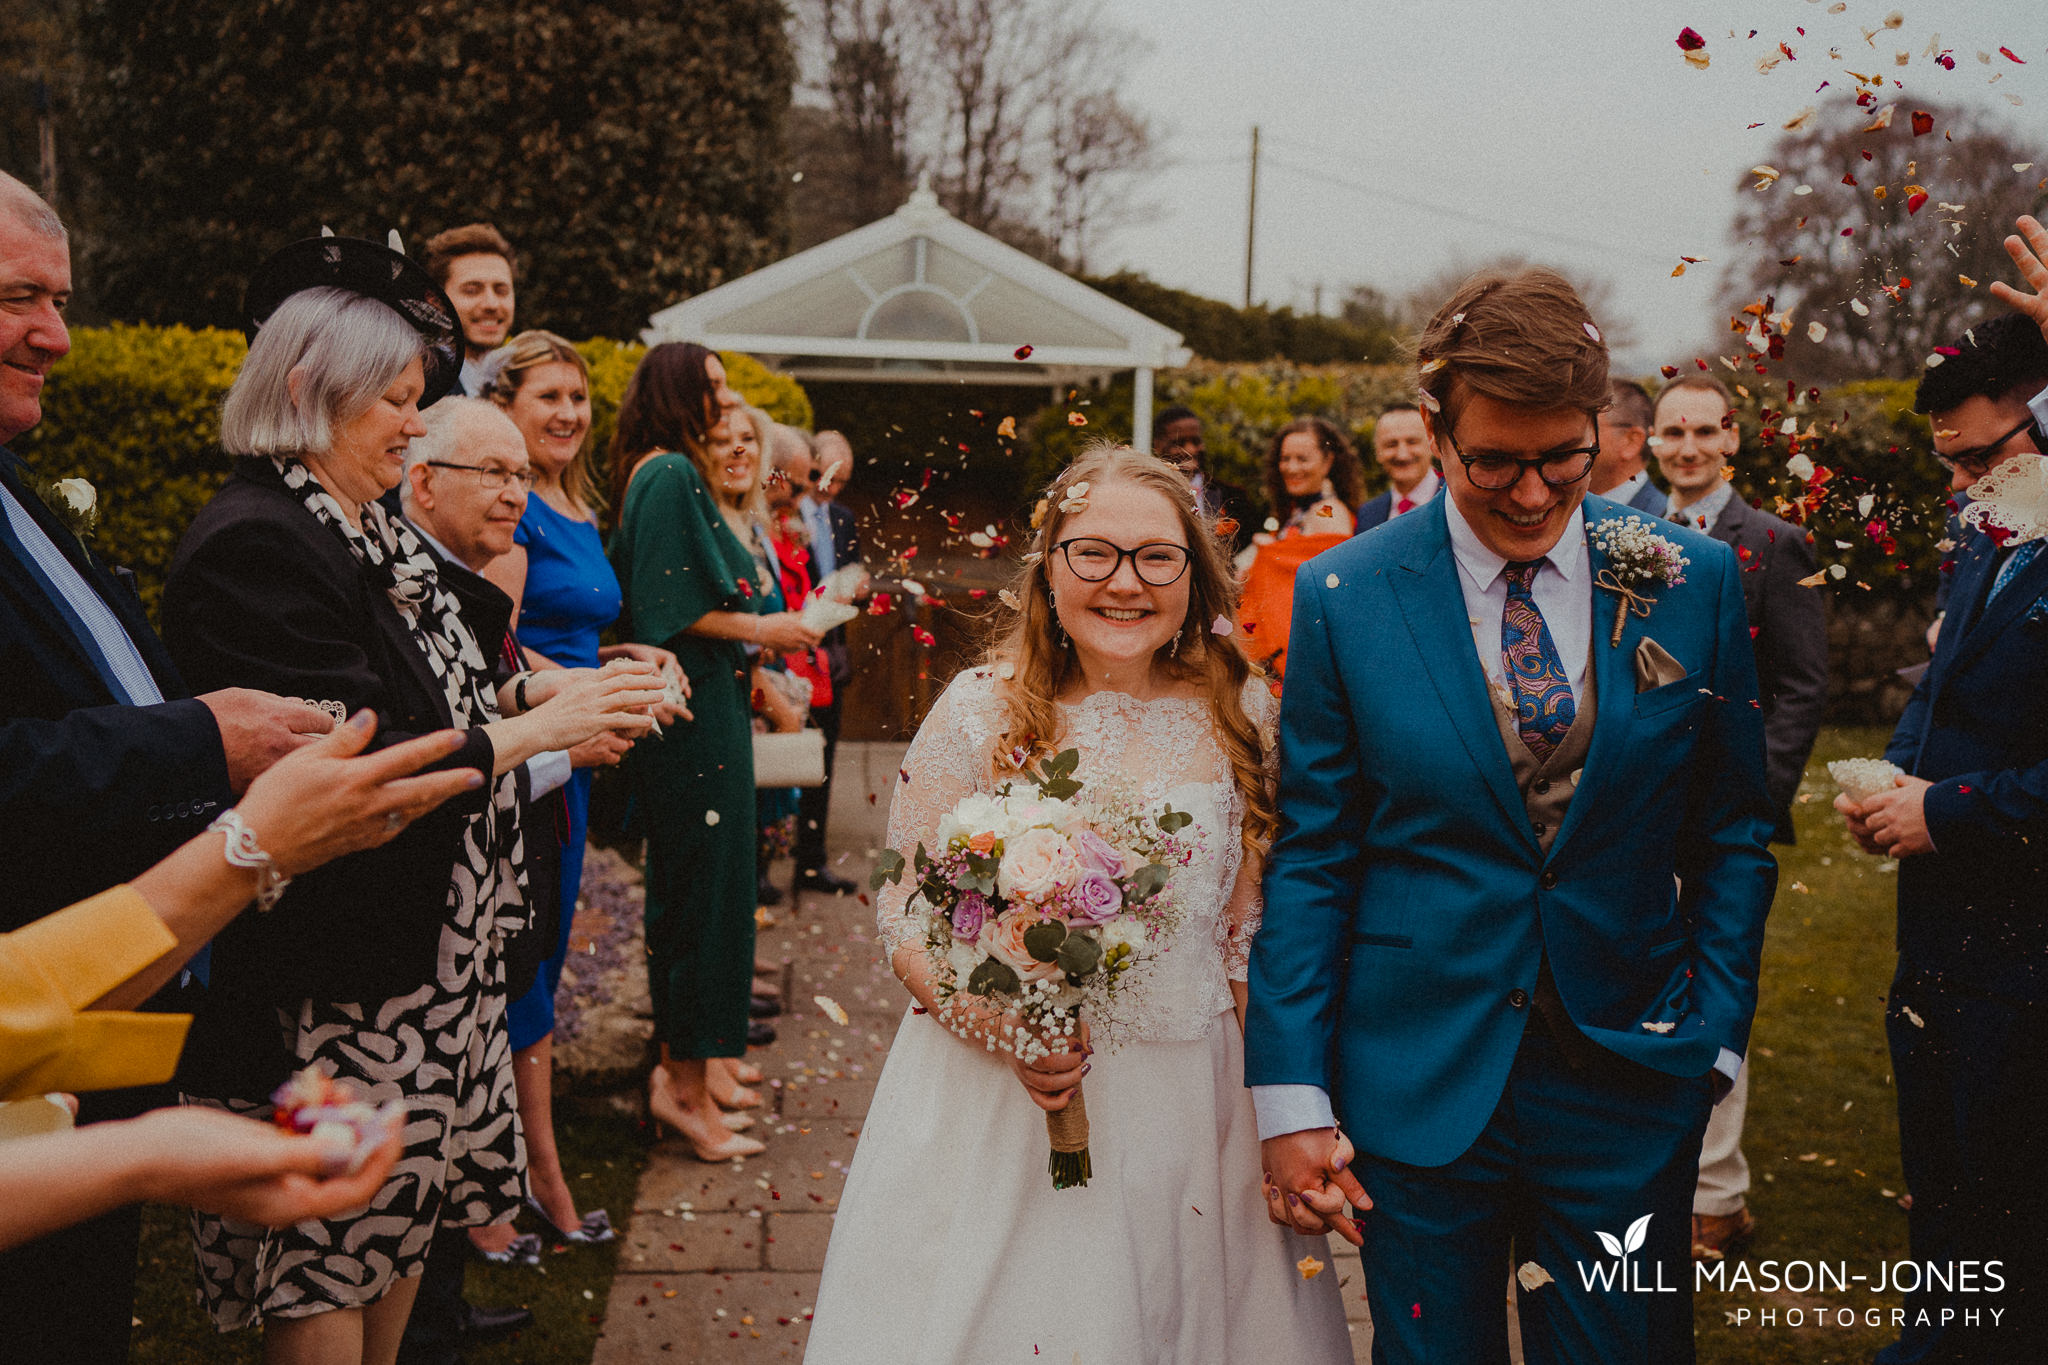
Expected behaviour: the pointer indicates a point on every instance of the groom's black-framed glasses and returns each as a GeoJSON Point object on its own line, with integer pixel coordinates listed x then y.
{"type": "Point", "coordinates": [1495, 470]}
{"type": "Point", "coordinates": [1983, 456]}
{"type": "Point", "coordinates": [1094, 560]}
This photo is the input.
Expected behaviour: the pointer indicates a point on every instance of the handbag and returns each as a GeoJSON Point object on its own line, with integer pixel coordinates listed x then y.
{"type": "Point", "coordinates": [791, 759]}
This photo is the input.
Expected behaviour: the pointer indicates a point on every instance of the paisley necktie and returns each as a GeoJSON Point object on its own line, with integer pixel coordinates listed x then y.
{"type": "Point", "coordinates": [2014, 564]}
{"type": "Point", "coordinates": [1537, 681]}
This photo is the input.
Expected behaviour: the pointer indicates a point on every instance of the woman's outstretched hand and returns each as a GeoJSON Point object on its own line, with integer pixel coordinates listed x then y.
{"type": "Point", "coordinates": [1052, 1080]}
{"type": "Point", "coordinates": [329, 799]}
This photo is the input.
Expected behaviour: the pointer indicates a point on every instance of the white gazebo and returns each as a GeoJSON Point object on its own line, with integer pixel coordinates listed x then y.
{"type": "Point", "coordinates": [919, 297]}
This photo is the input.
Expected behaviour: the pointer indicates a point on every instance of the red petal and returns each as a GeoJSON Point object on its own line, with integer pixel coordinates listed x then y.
{"type": "Point", "coordinates": [1689, 41]}
{"type": "Point", "coordinates": [1023, 353]}
{"type": "Point", "coordinates": [1923, 123]}
{"type": "Point", "coordinates": [2008, 52]}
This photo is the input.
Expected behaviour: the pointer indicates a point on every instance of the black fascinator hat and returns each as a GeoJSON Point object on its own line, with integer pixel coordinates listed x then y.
{"type": "Point", "coordinates": [374, 271]}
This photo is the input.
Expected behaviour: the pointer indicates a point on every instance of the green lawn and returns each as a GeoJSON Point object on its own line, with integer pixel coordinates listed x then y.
{"type": "Point", "coordinates": [602, 1152]}
{"type": "Point", "coordinates": [1821, 1135]}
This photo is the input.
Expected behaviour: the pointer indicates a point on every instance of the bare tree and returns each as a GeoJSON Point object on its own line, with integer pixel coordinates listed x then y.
{"type": "Point", "coordinates": [1891, 245]}
{"type": "Point", "coordinates": [1012, 111]}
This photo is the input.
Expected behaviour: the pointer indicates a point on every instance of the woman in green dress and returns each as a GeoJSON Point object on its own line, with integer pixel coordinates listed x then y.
{"type": "Point", "coordinates": [686, 488]}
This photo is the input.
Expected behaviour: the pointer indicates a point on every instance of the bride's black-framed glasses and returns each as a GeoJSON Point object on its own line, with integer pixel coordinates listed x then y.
{"type": "Point", "coordinates": [1495, 470]}
{"type": "Point", "coordinates": [1158, 563]}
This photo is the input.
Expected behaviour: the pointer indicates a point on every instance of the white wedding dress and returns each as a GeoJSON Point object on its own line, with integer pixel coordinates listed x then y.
{"type": "Point", "coordinates": [951, 1247]}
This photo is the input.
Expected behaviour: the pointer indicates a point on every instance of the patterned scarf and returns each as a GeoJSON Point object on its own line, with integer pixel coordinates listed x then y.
{"type": "Point", "coordinates": [490, 900]}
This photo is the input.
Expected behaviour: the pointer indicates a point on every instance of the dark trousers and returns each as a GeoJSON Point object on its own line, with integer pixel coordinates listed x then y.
{"type": "Point", "coordinates": [1570, 1152]}
{"type": "Point", "coordinates": [434, 1331]}
{"type": "Point", "coordinates": [71, 1296]}
{"type": "Point", "coordinates": [1972, 1076]}
{"type": "Point", "coordinates": [814, 802]}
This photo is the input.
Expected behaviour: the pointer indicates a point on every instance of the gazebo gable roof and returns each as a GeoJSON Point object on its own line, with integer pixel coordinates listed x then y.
{"type": "Point", "coordinates": [920, 285]}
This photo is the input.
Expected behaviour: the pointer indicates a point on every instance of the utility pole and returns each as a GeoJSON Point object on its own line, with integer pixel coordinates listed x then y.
{"type": "Point", "coordinates": [1251, 219]}
{"type": "Point", "coordinates": [46, 141]}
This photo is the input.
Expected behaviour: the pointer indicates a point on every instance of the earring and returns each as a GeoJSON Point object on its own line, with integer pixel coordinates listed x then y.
{"type": "Point", "coordinates": [1175, 651]}
{"type": "Point", "coordinates": [1059, 633]}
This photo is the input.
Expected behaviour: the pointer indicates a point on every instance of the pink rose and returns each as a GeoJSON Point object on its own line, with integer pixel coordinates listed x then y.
{"type": "Point", "coordinates": [1035, 865]}
{"type": "Point", "coordinates": [1003, 938]}
{"type": "Point", "coordinates": [1095, 898]}
{"type": "Point", "coordinates": [970, 912]}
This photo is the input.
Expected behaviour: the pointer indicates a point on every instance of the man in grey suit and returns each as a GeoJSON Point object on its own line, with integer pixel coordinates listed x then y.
{"type": "Point", "coordinates": [1619, 471]}
{"type": "Point", "coordinates": [1694, 437]}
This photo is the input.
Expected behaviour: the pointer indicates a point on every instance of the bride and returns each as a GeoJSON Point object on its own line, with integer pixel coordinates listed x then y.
{"type": "Point", "coordinates": [951, 1244]}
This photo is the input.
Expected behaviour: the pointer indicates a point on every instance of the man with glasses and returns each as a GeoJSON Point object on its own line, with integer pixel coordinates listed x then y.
{"type": "Point", "coordinates": [465, 487]}
{"type": "Point", "coordinates": [1968, 823]}
{"type": "Point", "coordinates": [1620, 474]}
{"type": "Point", "coordinates": [1525, 872]}
{"type": "Point", "coordinates": [1695, 437]}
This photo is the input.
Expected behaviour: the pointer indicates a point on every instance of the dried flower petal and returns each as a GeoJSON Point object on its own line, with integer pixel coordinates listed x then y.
{"type": "Point", "coordinates": [1816, 331]}
{"type": "Point", "coordinates": [1923, 123]}
{"type": "Point", "coordinates": [1007, 428]}
{"type": "Point", "coordinates": [1077, 419]}
{"type": "Point", "coordinates": [1532, 1276]}
{"type": "Point", "coordinates": [1222, 626]}
{"type": "Point", "coordinates": [1330, 581]}
{"type": "Point", "coordinates": [1859, 308]}
{"type": "Point", "coordinates": [1882, 121]}
{"type": "Point", "coordinates": [1689, 41]}
{"type": "Point", "coordinates": [1698, 59]}
{"type": "Point", "coordinates": [1022, 353]}
{"type": "Point", "coordinates": [832, 1009]}
{"type": "Point", "coordinates": [1309, 1267]}
{"type": "Point", "coordinates": [710, 817]}
{"type": "Point", "coordinates": [1915, 202]}
{"type": "Point", "coordinates": [1592, 331]}
{"type": "Point", "coordinates": [2007, 53]}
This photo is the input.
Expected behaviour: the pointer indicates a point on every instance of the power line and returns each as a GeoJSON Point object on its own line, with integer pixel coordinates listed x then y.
{"type": "Point", "coordinates": [1461, 215]}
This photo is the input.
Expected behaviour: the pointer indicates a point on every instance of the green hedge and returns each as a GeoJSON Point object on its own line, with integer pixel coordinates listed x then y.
{"type": "Point", "coordinates": [136, 410]}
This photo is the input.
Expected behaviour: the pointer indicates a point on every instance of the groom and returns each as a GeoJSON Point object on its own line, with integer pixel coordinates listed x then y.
{"type": "Point", "coordinates": [1518, 896]}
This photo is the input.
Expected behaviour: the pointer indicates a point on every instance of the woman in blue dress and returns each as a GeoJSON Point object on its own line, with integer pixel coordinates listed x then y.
{"type": "Point", "coordinates": [565, 594]}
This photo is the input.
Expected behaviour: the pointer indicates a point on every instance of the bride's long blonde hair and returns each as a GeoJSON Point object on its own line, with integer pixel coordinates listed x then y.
{"type": "Point", "coordinates": [1041, 664]}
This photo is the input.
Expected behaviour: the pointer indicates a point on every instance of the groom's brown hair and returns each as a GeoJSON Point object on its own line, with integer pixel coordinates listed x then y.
{"type": "Point", "coordinates": [1522, 337]}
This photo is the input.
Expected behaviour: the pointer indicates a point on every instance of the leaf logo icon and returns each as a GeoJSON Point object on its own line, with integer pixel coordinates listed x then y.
{"type": "Point", "coordinates": [1607, 1239]}
{"type": "Point", "coordinates": [1638, 1233]}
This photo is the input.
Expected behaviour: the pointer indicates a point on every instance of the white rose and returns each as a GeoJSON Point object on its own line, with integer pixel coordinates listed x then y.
{"type": "Point", "coordinates": [80, 494]}
{"type": "Point", "coordinates": [1122, 930]}
{"type": "Point", "coordinates": [963, 960]}
{"type": "Point", "coordinates": [1036, 863]}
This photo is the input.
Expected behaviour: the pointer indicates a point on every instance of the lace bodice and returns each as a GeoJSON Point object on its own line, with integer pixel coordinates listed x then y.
{"type": "Point", "coordinates": [1167, 750]}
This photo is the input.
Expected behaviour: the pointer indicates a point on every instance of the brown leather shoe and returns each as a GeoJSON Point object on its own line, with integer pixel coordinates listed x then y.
{"type": "Point", "coordinates": [1714, 1234]}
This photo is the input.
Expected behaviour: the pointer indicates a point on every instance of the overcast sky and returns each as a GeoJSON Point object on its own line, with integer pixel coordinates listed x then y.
{"type": "Point", "coordinates": [1574, 133]}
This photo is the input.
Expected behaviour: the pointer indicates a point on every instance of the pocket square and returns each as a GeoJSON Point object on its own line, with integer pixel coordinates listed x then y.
{"type": "Point", "coordinates": [1654, 665]}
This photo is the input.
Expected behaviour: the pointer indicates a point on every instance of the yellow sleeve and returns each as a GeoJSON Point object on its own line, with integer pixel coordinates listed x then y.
{"type": "Point", "coordinates": [52, 969]}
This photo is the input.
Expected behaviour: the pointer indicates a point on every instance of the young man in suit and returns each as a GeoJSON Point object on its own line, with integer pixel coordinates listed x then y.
{"type": "Point", "coordinates": [1177, 439]}
{"type": "Point", "coordinates": [1400, 442]}
{"type": "Point", "coordinates": [1620, 475]}
{"type": "Point", "coordinates": [476, 268]}
{"type": "Point", "coordinates": [1968, 822]}
{"type": "Point", "coordinates": [1695, 438]}
{"type": "Point", "coordinates": [106, 764]}
{"type": "Point", "coordinates": [1523, 859]}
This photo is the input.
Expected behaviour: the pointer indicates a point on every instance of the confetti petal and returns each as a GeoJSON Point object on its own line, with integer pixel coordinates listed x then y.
{"type": "Point", "coordinates": [1923, 123]}
{"type": "Point", "coordinates": [1690, 41]}
{"type": "Point", "coordinates": [832, 1009]}
{"type": "Point", "coordinates": [1330, 581]}
{"type": "Point", "coordinates": [1882, 121]}
{"type": "Point", "coordinates": [1859, 308]}
{"type": "Point", "coordinates": [1221, 626]}
{"type": "Point", "coordinates": [710, 817]}
{"type": "Point", "coordinates": [1022, 353]}
{"type": "Point", "coordinates": [1007, 428]}
{"type": "Point", "coordinates": [1309, 1267]}
{"type": "Point", "coordinates": [1816, 331]}
{"type": "Point", "coordinates": [1532, 1276]}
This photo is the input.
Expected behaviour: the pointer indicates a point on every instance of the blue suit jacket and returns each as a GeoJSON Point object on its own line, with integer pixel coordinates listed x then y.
{"type": "Point", "coordinates": [1409, 903]}
{"type": "Point", "coordinates": [1976, 728]}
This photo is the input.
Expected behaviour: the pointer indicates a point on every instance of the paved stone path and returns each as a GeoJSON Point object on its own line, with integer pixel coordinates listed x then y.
{"type": "Point", "coordinates": [721, 1263]}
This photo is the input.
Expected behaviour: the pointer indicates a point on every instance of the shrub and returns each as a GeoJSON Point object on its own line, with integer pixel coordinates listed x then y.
{"type": "Point", "coordinates": [136, 410]}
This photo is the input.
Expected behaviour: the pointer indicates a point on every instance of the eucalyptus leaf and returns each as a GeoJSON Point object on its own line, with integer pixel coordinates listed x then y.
{"type": "Point", "coordinates": [888, 869]}
{"type": "Point", "coordinates": [1146, 882]}
{"type": "Point", "coordinates": [1078, 955]}
{"type": "Point", "coordinates": [992, 978]}
{"type": "Point", "coordinates": [1043, 940]}
{"type": "Point", "coordinates": [1173, 820]}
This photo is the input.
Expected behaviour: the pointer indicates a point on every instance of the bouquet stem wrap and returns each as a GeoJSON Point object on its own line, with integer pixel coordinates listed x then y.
{"type": "Point", "coordinates": [1068, 1130]}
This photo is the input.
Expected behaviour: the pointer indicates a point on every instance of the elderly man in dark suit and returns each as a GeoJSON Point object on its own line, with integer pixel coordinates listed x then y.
{"type": "Point", "coordinates": [1695, 437]}
{"type": "Point", "coordinates": [1400, 443]}
{"type": "Point", "coordinates": [106, 764]}
{"type": "Point", "coordinates": [1968, 822]}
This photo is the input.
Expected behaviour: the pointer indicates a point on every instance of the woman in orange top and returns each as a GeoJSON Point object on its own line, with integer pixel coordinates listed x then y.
{"type": "Point", "coordinates": [1313, 486]}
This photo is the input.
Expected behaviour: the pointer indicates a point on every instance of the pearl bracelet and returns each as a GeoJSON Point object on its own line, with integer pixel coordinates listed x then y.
{"type": "Point", "coordinates": [243, 851]}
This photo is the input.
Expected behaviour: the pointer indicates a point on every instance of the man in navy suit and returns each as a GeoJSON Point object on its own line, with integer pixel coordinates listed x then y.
{"type": "Point", "coordinates": [1621, 473]}
{"type": "Point", "coordinates": [834, 545]}
{"type": "Point", "coordinates": [1400, 443]}
{"type": "Point", "coordinates": [1177, 439]}
{"type": "Point", "coordinates": [1968, 822]}
{"type": "Point", "coordinates": [105, 764]}
{"type": "Point", "coordinates": [1522, 871]}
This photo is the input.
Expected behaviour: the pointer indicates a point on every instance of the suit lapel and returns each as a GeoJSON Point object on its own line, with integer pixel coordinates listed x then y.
{"type": "Point", "coordinates": [1989, 620]}
{"type": "Point", "coordinates": [31, 598]}
{"type": "Point", "coordinates": [1432, 604]}
{"type": "Point", "coordinates": [1614, 684]}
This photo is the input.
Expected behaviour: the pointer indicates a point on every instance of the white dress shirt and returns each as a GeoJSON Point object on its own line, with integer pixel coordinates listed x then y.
{"type": "Point", "coordinates": [1418, 495]}
{"type": "Point", "coordinates": [132, 680]}
{"type": "Point", "coordinates": [1702, 515]}
{"type": "Point", "coordinates": [547, 770]}
{"type": "Point", "coordinates": [1563, 589]}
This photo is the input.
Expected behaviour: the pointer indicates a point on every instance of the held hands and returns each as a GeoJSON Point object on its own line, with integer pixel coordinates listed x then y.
{"type": "Point", "coordinates": [589, 701]}
{"type": "Point", "coordinates": [1308, 1180]}
{"type": "Point", "coordinates": [257, 729]}
{"type": "Point", "coordinates": [323, 801]}
{"type": "Point", "coordinates": [1892, 824]}
{"type": "Point", "coordinates": [785, 633]}
{"type": "Point", "coordinates": [2029, 251]}
{"type": "Point", "coordinates": [251, 1170]}
{"type": "Point", "coordinates": [600, 751]}
{"type": "Point", "coordinates": [1053, 1079]}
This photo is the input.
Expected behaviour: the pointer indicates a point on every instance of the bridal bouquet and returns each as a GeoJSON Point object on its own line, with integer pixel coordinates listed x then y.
{"type": "Point", "coordinates": [1040, 899]}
